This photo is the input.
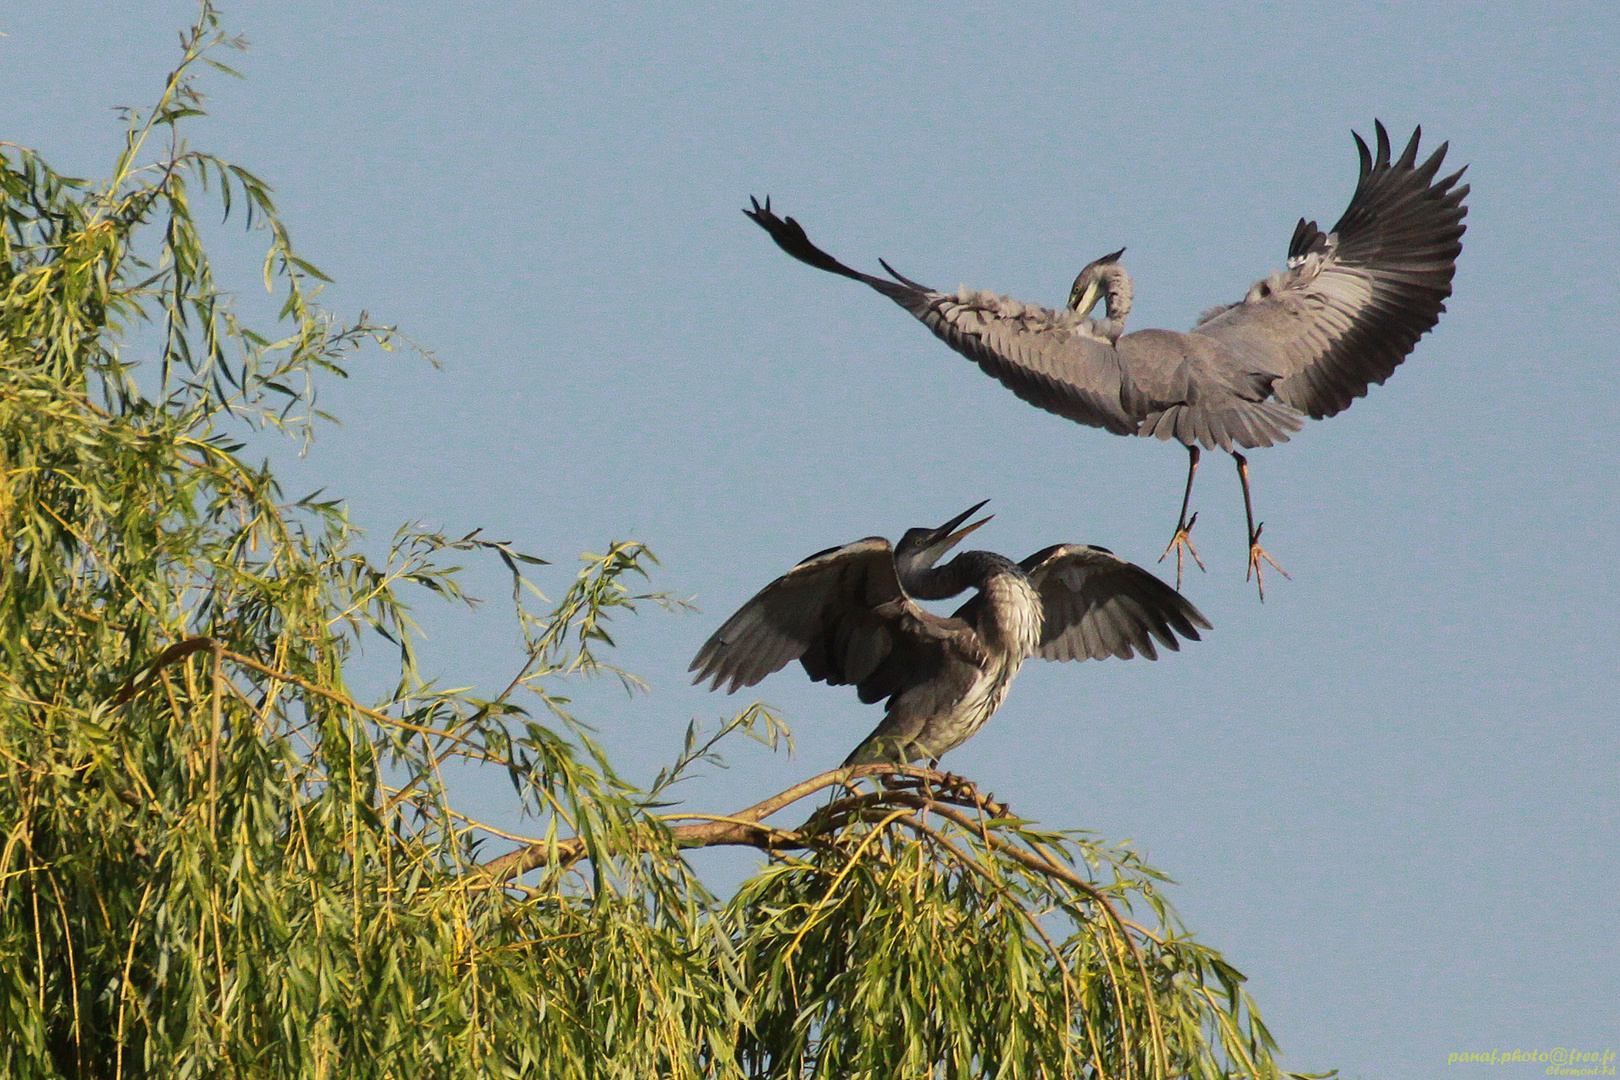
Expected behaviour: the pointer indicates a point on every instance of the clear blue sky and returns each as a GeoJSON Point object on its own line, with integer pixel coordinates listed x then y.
{"type": "Point", "coordinates": [1388, 795]}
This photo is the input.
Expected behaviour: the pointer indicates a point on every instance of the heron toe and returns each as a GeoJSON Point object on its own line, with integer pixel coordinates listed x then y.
{"type": "Point", "coordinates": [1183, 539]}
{"type": "Point", "coordinates": [1256, 553]}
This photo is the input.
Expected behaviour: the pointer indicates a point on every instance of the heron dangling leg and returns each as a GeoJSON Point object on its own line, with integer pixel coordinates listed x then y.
{"type": "Point", "coordinates": [1184, 524]}
{"type": "Point", "coordinates": [1256, 552]}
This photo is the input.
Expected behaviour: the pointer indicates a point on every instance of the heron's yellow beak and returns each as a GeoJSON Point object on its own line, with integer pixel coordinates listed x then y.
{"type": "Point", "coordinates": [956, 536]}
{"type": "Point", "coordinates": [945, 543]}
{"type": "Point", "coordinates": [1084, 300]}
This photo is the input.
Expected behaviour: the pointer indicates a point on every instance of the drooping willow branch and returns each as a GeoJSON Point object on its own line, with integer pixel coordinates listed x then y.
{"type": "Point", "coordinates": [181, 650]}
{"type": "Point", "coordinates": [927, 790]}
{"type": "Point", "coordinates": [905, 788]}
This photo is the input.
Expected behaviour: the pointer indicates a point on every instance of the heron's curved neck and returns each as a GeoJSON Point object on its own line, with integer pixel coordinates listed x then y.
{"type": "Point", "coordinates": [969, 570]}
{"type": "Point", "coordinates": [1006, 613]}
{"type": "Point", "coordinates": [1116, 298]}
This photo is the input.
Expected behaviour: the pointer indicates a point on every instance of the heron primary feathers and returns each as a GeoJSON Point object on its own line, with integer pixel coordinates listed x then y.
{"type": "Point", "coordinates": [1346, 309]}
{"type": "Point", "coordinates": [849, 615]}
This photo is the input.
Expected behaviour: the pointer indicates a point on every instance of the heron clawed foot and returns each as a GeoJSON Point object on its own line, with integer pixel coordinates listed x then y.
{"type": "Point", "coordinates": [1183, 539]}
{"type": "Point", "coordinates": [1256, 553]}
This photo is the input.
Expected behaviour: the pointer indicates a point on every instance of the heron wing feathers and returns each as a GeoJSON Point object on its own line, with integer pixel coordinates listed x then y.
{"type": "Point", "coordinates": [843, 614]}
{"type": "Point", "coordinates": [919, 647]}
{"type": "Point", "coordinates": [807, 611]}
{"type": "Point", "coordinates": [1311, 338]}
{"type": "Point", "coordinates": [1051, 359]}
{"type": "Point", "coordinates": [1354, 301]}
{"type": "Point", "coordinates": [1096, 604]}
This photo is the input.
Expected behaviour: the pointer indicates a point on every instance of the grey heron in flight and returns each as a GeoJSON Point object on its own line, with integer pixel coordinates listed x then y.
{"type": "Point", "coordinates": [1308, 340]}
{"type": "Point", "coordinates": [849, 615]}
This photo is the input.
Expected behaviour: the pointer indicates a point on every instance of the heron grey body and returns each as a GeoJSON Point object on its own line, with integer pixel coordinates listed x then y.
{"type": "Point", "coordinates": [1306, 341]}
{"type": "Point", "coordinates": [849, 615]}
{"type": "Point", "coordinates": [970, 677]}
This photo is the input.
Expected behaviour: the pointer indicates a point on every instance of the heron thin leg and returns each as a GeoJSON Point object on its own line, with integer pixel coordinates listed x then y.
{"type": "Point", "coordinates": [1256, 552]}
{"type": "Point", "coordinates": [1184, 524]}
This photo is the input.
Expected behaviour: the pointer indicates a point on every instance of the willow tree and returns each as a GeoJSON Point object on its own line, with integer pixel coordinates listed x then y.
{"type": "Point", "coordinates": [217, 861]}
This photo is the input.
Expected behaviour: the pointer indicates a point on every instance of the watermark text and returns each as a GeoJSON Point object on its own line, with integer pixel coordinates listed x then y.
{"type": "Point", "coordinates": [1560, 1061]}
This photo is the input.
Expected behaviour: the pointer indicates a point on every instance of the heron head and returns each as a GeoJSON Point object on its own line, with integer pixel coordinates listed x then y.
{"type": "Point", "coordinates": [1095, 283]}
{"type": "Point", "coordinates": [920, 549]}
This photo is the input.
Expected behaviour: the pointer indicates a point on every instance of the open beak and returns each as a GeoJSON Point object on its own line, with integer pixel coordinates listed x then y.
{"type": "Point", "coordinates": [948, 539]}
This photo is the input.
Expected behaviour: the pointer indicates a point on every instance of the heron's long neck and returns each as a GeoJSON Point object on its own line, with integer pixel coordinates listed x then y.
{"type": "Point", "coordinates": [1009, 608]}
{"type": "Point", "coordinates": [1116, 299]}
{"type": "Point", "coordinates": [968, 570]}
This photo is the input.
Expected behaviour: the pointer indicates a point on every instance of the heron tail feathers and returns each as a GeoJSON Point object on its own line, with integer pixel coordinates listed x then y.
{"type": "Point", "coordinates": [1232, 421]}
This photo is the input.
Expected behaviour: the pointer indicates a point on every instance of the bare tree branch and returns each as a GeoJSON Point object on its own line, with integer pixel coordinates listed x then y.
{"type": "Point", "coordinates": [902, 787]}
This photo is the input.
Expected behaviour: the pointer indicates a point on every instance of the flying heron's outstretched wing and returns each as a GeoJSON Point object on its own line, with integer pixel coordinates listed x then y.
{"type": "Point", "coordinates": [1096, 604]}
{"type": "Point", "coordinates": [842, 612]}
{"type": "Point", "coordinates": [1051, 359]}
{"type": "Point", "coordinates": [1354, 301]}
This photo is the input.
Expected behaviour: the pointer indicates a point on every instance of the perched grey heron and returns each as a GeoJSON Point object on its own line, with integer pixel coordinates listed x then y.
{"type": "Point", "coordinates": [848, 615]}
{"type": "Point", "coordinates": [1306, 341]}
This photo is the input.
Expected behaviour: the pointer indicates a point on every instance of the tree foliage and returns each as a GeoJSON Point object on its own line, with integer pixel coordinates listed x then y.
{"type": "Point", "coordinates": [214, 860]}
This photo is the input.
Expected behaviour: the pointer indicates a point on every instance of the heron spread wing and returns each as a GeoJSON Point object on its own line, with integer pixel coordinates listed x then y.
{"type": "Point", "coordinates": [842, 612]}
{"type": "Point", "coordinates": [1053, 360]}
{"type": "Point", "coordinates": [1354, 301]}
{"type": "Point", "coordinates": [1096, 604]}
